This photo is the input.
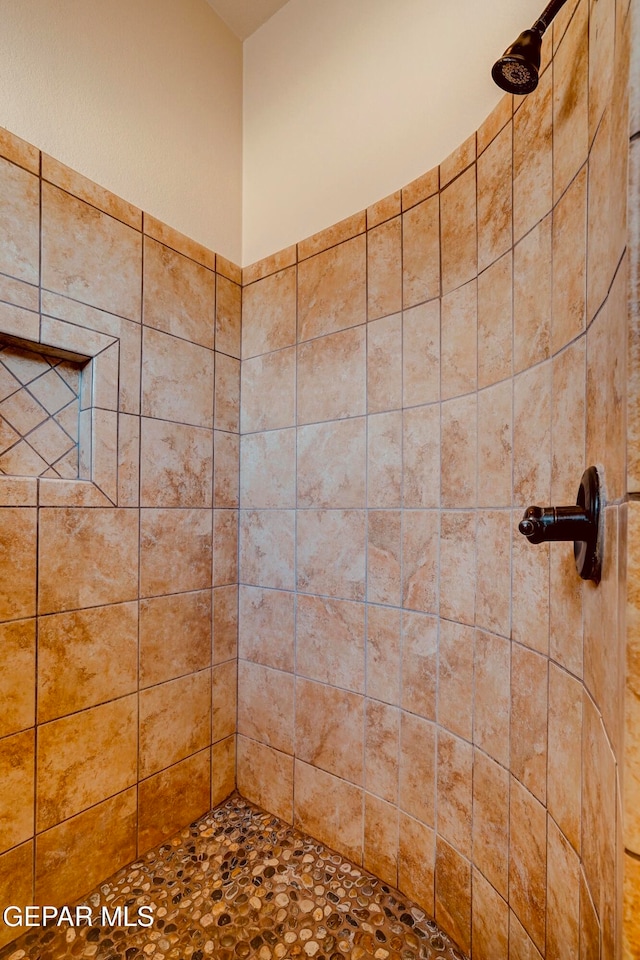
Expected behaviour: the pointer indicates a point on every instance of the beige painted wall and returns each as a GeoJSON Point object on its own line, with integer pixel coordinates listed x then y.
{"type": "Point", "coordinates": [345, 101]}
{"type": "Point", "coordinates": [142, 96]}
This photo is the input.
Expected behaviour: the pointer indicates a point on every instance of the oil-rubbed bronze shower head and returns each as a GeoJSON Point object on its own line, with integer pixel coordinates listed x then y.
{"type": "Point", "coordinates": [517, 69]}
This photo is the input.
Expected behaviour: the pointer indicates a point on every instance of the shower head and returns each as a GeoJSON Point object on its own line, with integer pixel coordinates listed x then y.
{"type": "Point", "coordinates": [517, 69]}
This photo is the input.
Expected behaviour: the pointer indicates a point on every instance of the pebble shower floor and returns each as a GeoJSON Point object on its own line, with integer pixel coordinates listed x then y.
{"type": "Point", "coordinates": [240, 883]}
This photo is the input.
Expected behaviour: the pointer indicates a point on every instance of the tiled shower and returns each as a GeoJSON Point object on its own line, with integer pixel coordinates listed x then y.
{"type": "Point", "coordinates": [295, 567]}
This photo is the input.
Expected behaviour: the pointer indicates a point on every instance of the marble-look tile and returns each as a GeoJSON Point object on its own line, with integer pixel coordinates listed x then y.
{"type": "Point", "coordinates": [563, 895]}
{"type": "Point", "coordinates": [330, 553]}
{"type": "Point", "coordinates": [492, 699]}
{"type": "Point", "coordinates": [568, 421]}
{"type": "Point", "coordinates": [455, 678]}
{"type": "Point", "coordinates": [268, 386]}
{"type": "Point", "coordinates": [495, 315]}
{"type": "Point", "coordinates": [330, 641]}
{"type": "Point", "coordinates": [384, 269]}
{"type": "Point", "coordinates": [384, 209]}
{"type": "Point", "coordinates": [454, 791]}
{"type": "Point", "coordinates": [419, 665]}
{"type": "Point", "coordinates": [384, 556]}
{"type": "Point", "coordinates": [329, 808]}
{"type": "Point", "coordinates": [495, 198]}
{"type": "Point", "coordinates": [458, 566]}
{"type": "Point", "coordinates": [331, 464]}
{"type": "Point", "coordinates": [332, 376]}
{"type": "Point", "coordinates": [266, 627]}
{"type": "Point", "coordinates": [453, 894]}
{"type": "Point", "coordinates": [267, 548]}
{"type": "Point", "coordinates": [459, 341]}
{"type": "Point", "coordinates": [493, 585]}
{"type": "Point", "coordinates": [529, 719]}
{"type": "Point", "coordinates": [226, 470]}
{"type": "Point", "coordinates": [384, 460]}
{"type": "Point", "coordinates": [17, 676]}
{"type": "Point", "coordinates": [331, 236]}
{"type": "Point", "coordinates": [85, 758]}
{"type": "Point", "coordinates": [458, 160]}
{"type": "Point", "coordinates": [381, 839]}
{"type": "Point", "coordinates": [569, 241]}
{"type": "Point", "coordinates": [19, 151]}
{"type": "Point", "coordinates": [417, 861]}
{"type": "Point", "coordinates": [570, 101]}
{"type": "Point", "coordinates": [532, 436]}
{"type": "Point", "coordinates": [17, 562]}
{"type": "Point", "coordinates": [420, 535]}
{"type": "Point", "coordinates": [383, 653]}
{"type": "Point", "coordinates": [69, 862]}
{"type": "Point", "coordinates": [85, 658]}
{"type": "Point", "coordinates": [489, 921]}
{"type": "Point", "coordinates": [532, 157]}
{"type": "Point", "coordinates": [459, 451]}
{"type": "Point", "coordinates": [19, 223]}
{"type": "Point", "coordinates": [530, 604]}
{"type": "Point", "coordinates": [384, 364]}
{"type": "Point", "coordinates": [185, 537]}
{"type": "Point", "coordinates": [175, 721]}
{"type": "Point", "coordinates": [602, 30]}
{"type": "Point", "coordinates": [421, 354]}
{"type": "Point", "coordinates": [330, 729]}
{"type": "Point", "coordinates": [279, 260]}
{"type": "Point", "coordinates": [631, 929]}
{"type": "Point", "coordinates": [495, 445]}
{"type": "Point", "coordinates": [179, 295]}
{"type": "Point", "coordinates": [521, 946]}
{"type": "Point", "coordinates": [16, 883]}
{"type": "Point", "coordinates": [89, 256]}
{"type": "Point", "coordinates": [332, 289]}
{"type": "Point", "coordinates": [176, 465]}
{"type": "Point", "coordinates": [172, 798]}
{"type": "Point", "coordinates": [177, 379]}
{"type": "Point", "coordinates": [459, 248]}
{"type": "Point", "coordinates": [227, 393]}
{"type": "Point", "coordinates": [175, 636]}
{"type": "Point", "coordinates": [418, 768]}
{"type": "Point", "coordinates": [269, 314]}
{"type": "Point", "coordinates": [381, 750]}
{"type": "Point", "coordinates": [17, 788]}
{"type": "Point", "coordinates": [491, 821]}
{"type": "Point", "coordinates": [566, 631]}
{"type": "Point", "coordinates": [268, 469]}
{"type": "Point", "coordinates": [225, 623]}
{"type": "Point", "coordinates": [266, 706]}
{"type": "Point", "coordinates": [87, 557]}
{"type": "Point", "coordinates": [171, 237]}
{"type": "Point", "coordinates": [225, 547]}
{"type": "Point", "coordinates": [421, 188]}
{"type": "Point", "coordinates": [532, 297]}
{"type": "Point", "coordinates": [265, 776]}
{"type": "Point", "coordinates": [223, 769]}
{"type": "Point", "coordinates": [421, 452]}
{"type": "Point", "coordinates": [421, 252]}
{"type": "Point", "coordinates": [528, 862]}
{"type": "Point", "coordinates": [494, 123]}
{"type": "Point", "coordinates": [605, 243]}
{"type": "Point", "coordinates": [228, 317]}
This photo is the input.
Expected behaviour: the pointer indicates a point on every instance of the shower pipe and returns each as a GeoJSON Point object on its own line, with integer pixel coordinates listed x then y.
{"type": "Point", "coordinates": [518, 68]}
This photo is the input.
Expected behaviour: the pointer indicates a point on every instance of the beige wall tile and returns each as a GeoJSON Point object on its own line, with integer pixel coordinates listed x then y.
{"type": "Point", "coordinates": [384, 551]}
{"type": "Point", "coordinates": [384, 269]}
{"type": "Point", "coordinates": [223, 770]}
{"type": "Point", "coordinates": [568, 422]}
{"type": "Point", "coordinates": [269, 313]}
{"type": "Point", "coordinates": [455, 678]}
{"type": "Point", "coordinates": [458, 160]}
{"type": "Point", "coordinates": [69, 862]}
{"type": "Point", "coordinates": [458, 566]}
{"type": "Point", "coordinates": [268, 469]}
{"type": "Point", "coordinates": [489, 921]}
{"type": "Point", "coordinates": [491, 821]}
{"type": "Point", "coordinates": [459, 341]}
{"type": "Point", "coordinates": [177, 379]}
{"type": "Point", "coordinates": [521, 946]}
{"type": "Point", "coordinates": [225, 623]}
{"type": "Point", "coordinates": [453, 894]}
{"type": "Point", "coordinates": [631, 931]}
{"type": "Point", "coordinates": [331, 464]}
{"type": "Point", "coordinates": [225, 547]}
{"type": "Point", "coordinates": [17, 770]}
{"type": "Point", "coordinates": [492, 700]}
{"type": "Point", "coordinates": [384, 460]}
{"type": "Point", "coordinates": [269, 392]}
{"type": "Point", "coordinates": [493, 607]}
{"type": "Point", "coordinates": [419, 664]}
{"type": "Point", "coordinates": [420, 560]}
{"type": "Point", "coordinates": [565, 753]}
{"type": "Point", "coordinates": [569, 242]}
{"type": "Point", "coordinates": [384, 209]}
{"type": "Point", "coordinates": [563, 895]}
{"type": "Point", "coordinates": [176, 465]}
{"type": "Point", "coordinates": [459, 452]}
{"type": "Point", "coordinates": [266, 628]}
{"type": "Point", "coordinates": [532, 158]}
{"type": "Point", "coordinates": [228, 316]}
{"type": "Point", "coordinates": [601, 61]}
{"type": "Point", "coordinates": [330, 809]}
{"type": "Point", "coordinates": [495, 313]}
{"type": "Point", "coordinates": [331, 236]}
{"type": "Point", "coordinates": [422, 187]}
{"type": "Point", "coordinates": [384, 363]}
{"type": "Point", "coordinates": [169, 800]}
{"type": "Point", "coordinates": [87, 557]}
{"type": "Point", "coordinates": [565, 610]}
{"type": "Point", "coordinates": [381, 839]}
{"type": "Point", "coordinates": [529, 719]}
{"type": "Point", "coordinates": [330, 729]}
{"type": "Point", "coordinates": [332, 289]}
{"type": "Point", "coordinates": [185, 535]}
{"type": "Point", "coordinates": [266, 706]}
{"type": "Point", "coordinates": [16, 884]}
{"type": "Point", "coordinates": [182, 244]}
{"type": "Point", "coordinates": [421, 452]}
{"type": "Point", "coordinates": [421, 354]}
{"type": "Point", "coordinates": [418, 768]}
{"type": "Point", "coordinates": [382, 744]}
{"type": "Point", "coordinates": [383, 653]}
{"type": "Point", "coordinates": [17, 676]}
{"type": "Point", "coordinates": [179, 294]}
{"type": "Point", "coordinates": [224, 700]}
{"type": "Point", "coordinates": [532, 436]}
{"type": "Point", "coordinates": [286, 257]}
{"type": "Point", "coordinates": [454, 791]}
{"type": "Point", "coordinates": [175, 721]}
{"type": "Point", "coordinates": [532, 297]}
{"type": "Point", "coordinates": [421, 252]}
{"type": "Point", "coordinates": [265, 776]}
{"type": "Point", "coordinates": [417, 861]}
{"type": "Point", "coordinates": [175, 636]}
{"type": "Point", "coordinates": [90, 256]}
{"type": "Point", "coordinates": [128, 460]}
{"type": "Point", "coordinates": [528, 862]}
{"type": "Point", "coordinates": [17, 562]}
{"type": "Point", "coordinates": [267, 548]}
{"type": "Point", "coordinates": [530, 588]}
{"type": "Point", "coordinates": [495, 445]}
{"type": "Point", "coordinates": [495, 198]}
{"type": "Point", "coordinates": [459, 248]}
{"type": "Point", "coordinates": [19, 151]}
{"type": "Point", "coordinates": [331, 553]}
{"type": "Point", "coordinates": [227, 393]}
{"type": "Point", "coordinates": [226, 469]}
{"type": "Point", "coordinates": [332, 376]}
{"type": "Point", "coordinates": [570, 101]}
{"type": "Point", "coordinates": [85, 658]}
{"type": "Point", "coordinates": [19, 223]}
{"type": "Point", "coordinates": [330, 641]}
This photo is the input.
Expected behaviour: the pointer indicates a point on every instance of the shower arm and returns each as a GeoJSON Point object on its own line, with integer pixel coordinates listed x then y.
{"type": "Point", "coordinates": [547, 15]}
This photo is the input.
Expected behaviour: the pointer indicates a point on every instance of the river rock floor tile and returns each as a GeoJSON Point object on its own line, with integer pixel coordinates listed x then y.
{"type": "Point", "coordinates": [239, 883]}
